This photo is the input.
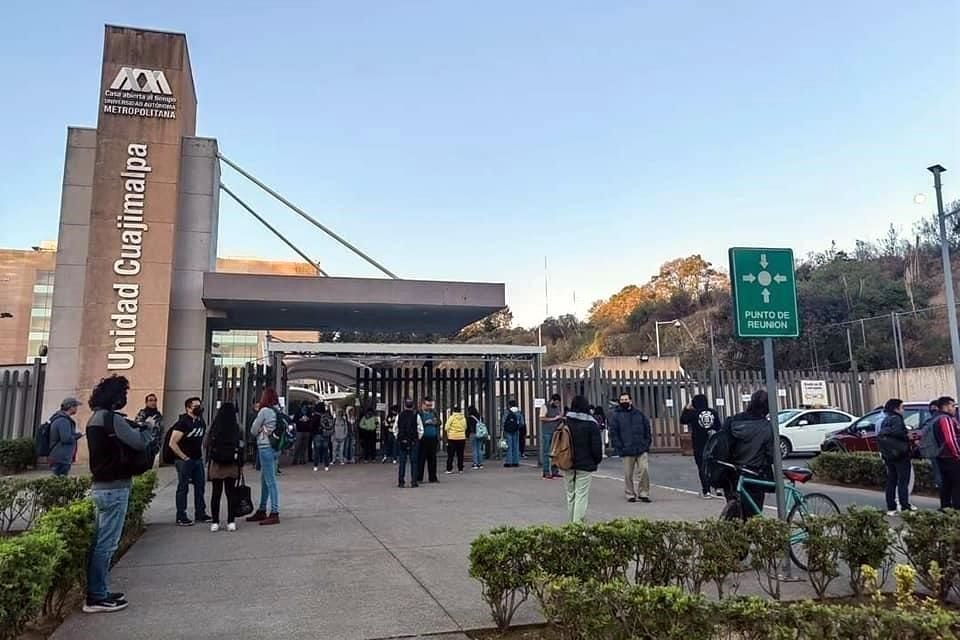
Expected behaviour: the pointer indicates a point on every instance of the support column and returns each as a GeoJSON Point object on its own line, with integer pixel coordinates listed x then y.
{"type": "Point", "coordinates": [490, 409]}
{"type": "Point", "coordinates": [539, 392]}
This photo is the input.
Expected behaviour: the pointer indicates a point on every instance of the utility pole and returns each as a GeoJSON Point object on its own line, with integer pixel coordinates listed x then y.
{"type": "Point", "coordinates": [937, 170]}
{"type": "Point", "coordinates": [856, 374]}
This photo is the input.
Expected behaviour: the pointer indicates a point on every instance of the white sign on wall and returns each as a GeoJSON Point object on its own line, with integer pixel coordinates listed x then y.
{"type": "Point", "coordinates": [813, 393]}
{"type": "Point", "coordinates": [142, 93]}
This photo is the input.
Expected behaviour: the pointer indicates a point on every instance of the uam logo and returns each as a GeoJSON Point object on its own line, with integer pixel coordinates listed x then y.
{"type": "Point", "coordinates": [141, 80]}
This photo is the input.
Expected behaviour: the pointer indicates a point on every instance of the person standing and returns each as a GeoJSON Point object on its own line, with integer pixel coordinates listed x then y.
{"type": "Point", "coordinates": [948, 437]}
{"type": "Point", "coordinates": [341, 430]}
{"type": "Point", "coordinates": [512, 425]}
{"type": "Point", "coordinates": [427, 455]}
{"type": "Point", "coordinates": [268, 420]}
{"type": "Point", "coordinates": [934, 463]}
{"type": "Point", "coordinates": [409, 433]}
{"type": "Point", "coordinates": [150, 415]}
{"type": "Point", "coordinates": [456, 430]}
{"type": "Point", "coordinates": [110, 491]}
{"type": "Point", "coordinates": [702, 422]}
{"type": "Point", "coordinates": [350, 446]}
{"type": "Point", "coordinates": [324, 428]}
{"type": "Point", "coordinates": [477, 439]}
{"type": "Point", "coordinates": [368, 427]}
{"type": "Point", "coordinates": [301, 447]}
{"type": "Point", "coordinates": [631, 436]}
{"type": "Point", "coordinates": [548, 425]}
{"type": "Point", "coordinates": [751, 445]}
{"type": "Point", "coordinates": [388, 436]}
{"type": "Point", "coordinates": [223, 451]}
{"type": "Point", "coordinates": [587, 450]}
{"type": "Point", "coordinates": [63, 437]}
{"type": "Point", "coordinates": [186, 442]}
{"type": "Point", "coordinates": [894, 444]}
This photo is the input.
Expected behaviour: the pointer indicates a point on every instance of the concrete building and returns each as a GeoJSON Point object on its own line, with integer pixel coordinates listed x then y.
{"type": "Point", "coordinates": [139, 290]}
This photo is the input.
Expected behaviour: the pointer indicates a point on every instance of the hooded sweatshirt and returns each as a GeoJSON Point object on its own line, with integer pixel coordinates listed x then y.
{"type": "Point", "coordinates": [701, 420]}
{"type": "Point", "coordinates": [456, 427]}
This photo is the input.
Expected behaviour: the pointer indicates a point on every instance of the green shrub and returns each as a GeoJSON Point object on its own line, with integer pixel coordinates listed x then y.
{"type": "Point", "coordinates": [716, 552]}
{"type": "Point", "coordinates": [865, 539]}
{"type": "Point", "coordinates": [142, 493]}
{"type": "Point", "coordinates": [15, 502]}
{"type": "Point", "coordinates": [27, 564]}
{"type": "Point", "coordinates": [23, 500]}
{"type": "Point", "coordinates": [768, 551]}
{"type": "Point", "coordinates": [17, 455]}
{"type": "Point", "coordinates": [930, 540]}
{"type": "Point", "coordinates": [501, 562]}
{"type": "Point", "coordinates": [74, 525]}
{"type": "Point", "coordinates": [824, 539]}
{"type": "Point", "coordinates": [866, 469]}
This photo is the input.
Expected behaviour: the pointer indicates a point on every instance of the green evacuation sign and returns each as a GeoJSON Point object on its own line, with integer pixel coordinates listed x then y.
{"type": "Point", "coordinates": [764, 293]}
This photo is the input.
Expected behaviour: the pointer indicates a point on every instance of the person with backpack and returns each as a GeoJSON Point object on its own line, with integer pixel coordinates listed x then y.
{"type": "Point", "coordinates": [369, 425]}
{"type": "Point", "coordinates": [186, 443]}
{"type": "Point", "coordinates": [947, 433]}
{"type": "Point", "coordinates": [409, 433]}
{"type": "Point", "coordinates": [270, 427]}
{"type": "Point", "coordinates": [548, 425]}
{"type": "Point", "coordinates": [926, 435]}
{"type": "Point", "coordinates": [750, 444]}
{"type": "Point", "coordinates": [579, 455]}
{"type": "Point", "coordinates": [62, 437]}
{"type": "Point", "coordinates": [631, 437]}
{"type": "Point", "coordinates": [301, 448]}
{"type": "Point", "coordinates": [429, 442]}
{"type": "Point", "coordinates": [894, 445]}
{"type": "Point", "coordinates": [456, 431]}
{"type": "Point", "coordinates": [108, 435]}
{"type": "Point", "coordinates": [223, 452]}
{"type": "Point", "coordinates": [323, 427]}
{"type": "Point", "coordinates": [150, 415]}
{"type": "Point", "coordinates": [702, 422]}
{"type": "Point", "coordinates": [478, 435]}
{"type": "Point", "coordinates": [512, 426]}
{"type": "Point", "coordinates": [341, 430]}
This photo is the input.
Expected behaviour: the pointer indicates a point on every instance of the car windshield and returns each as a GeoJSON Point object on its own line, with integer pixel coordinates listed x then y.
{"type": "Point", "coordinates": [783, 416]}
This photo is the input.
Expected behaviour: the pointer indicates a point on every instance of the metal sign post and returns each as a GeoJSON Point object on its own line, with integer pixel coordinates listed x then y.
{"type": "Point", "coordinates": [764, 293]}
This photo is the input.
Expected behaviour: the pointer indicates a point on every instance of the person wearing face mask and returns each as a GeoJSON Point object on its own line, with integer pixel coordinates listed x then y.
{"type": "Point", "coordinates": [630, 435]}
{"type": "Point", "coordinates": [548, 425]}
{"type": "Point", "coordinates": [512, 428]}
{"type": "Point", "coordinates": [186, 442]}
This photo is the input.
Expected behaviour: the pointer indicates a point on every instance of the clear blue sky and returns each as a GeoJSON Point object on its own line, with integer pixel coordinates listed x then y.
{"type": "Point", "coordinates": [466, 140]}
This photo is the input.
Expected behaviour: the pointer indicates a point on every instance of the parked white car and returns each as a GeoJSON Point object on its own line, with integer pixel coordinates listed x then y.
{"type": "Point", "coordinates": [803, 430]}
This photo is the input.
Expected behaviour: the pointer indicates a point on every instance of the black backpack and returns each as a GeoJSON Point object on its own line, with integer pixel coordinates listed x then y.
{"type": "Point", "coordinates": [42, 440]}
{"type": "Point", "coordinates": [167, 456]}
{"type": "Point", "coordinates": [717, 450]}
{"type": "Point", "coordinates": [511, 424]}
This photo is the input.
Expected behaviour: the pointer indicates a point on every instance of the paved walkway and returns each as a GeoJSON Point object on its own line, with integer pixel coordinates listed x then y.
{"type": "Point", "coordinates": [354, 558]}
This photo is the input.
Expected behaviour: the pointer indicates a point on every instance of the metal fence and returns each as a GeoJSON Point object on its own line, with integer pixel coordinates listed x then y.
{"type": "Point", "coordinates": [21, 395]}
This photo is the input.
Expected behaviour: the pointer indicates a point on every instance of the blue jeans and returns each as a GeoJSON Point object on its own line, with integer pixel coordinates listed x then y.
{"type": "Point", "coordinates": [60, 468]}
{"type": "Point", "coordinates": [348, 449]}
{"type": "Point", "coordinates": [405, 455]}
{"type": "Point", "coordinates": [546, 438]}
{"type": "Point", "coordinates": [513, 448]}
{"type": "Point", "coordinates": [110, 511]}
{"type": "Point", "coordinates": [338, 450]}
{"type": "Point", "coordinates": [268, 479]}
{"type": "Point", "coordinates": [190, 472]}
{"type": "Point", "coordinates": [477, 450]}
{"type": "Point", "coordinates": [321, 451]}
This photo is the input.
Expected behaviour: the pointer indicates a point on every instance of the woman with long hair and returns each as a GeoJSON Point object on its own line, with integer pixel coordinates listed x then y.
{"type": "Point", "coordinates": [477, 440]}
{"type": "Point", "coordinates": [263, 427]}
{"type": "Point", "coordinates": [223, 452]}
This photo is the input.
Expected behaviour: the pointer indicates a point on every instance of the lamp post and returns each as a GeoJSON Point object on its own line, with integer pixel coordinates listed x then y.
{"type": "Point", "coordinates": [937, 170]}
{"type": "Point", "coordinates": [677, 324]}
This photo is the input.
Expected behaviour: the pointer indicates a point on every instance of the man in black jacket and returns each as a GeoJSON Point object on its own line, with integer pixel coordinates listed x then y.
{"type": "Point", "coordinates": [894, 444]}
{"type": "Point", "coordinates": [702, 422]}
{"type": "Point", "coordinates": [751, 443]}
{"type": "Point", "coordinates": [409, 433]}
{"type": "Point", "coordinates": [630, 436]}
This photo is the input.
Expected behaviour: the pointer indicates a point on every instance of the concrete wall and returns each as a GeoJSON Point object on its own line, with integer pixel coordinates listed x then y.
{"type": "Point", "coordinates": [916, 384]}
{"type": "Point", "coordinates": [63, 357]}
{"type": "Point", "coordinates": [195, 251]}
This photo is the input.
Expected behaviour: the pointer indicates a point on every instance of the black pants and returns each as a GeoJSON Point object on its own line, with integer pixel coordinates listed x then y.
{"type": "Point", "coordinates": [301, 448]}
{"type": "Point", "coordinates": [368, 442]}
{"type": "Point", "coordinates": [427, 458]}
{"type": "Point", "coordinates": [949, 483]}
{"type": "Point", "coordinates": [455, 448]}
{"type": "Point", "coordinates": [701, 467]}
{"type": "Point", "coordinates": [219, 487]}
{"type": "Point", "coordinates": [523, 440]}
{"type": "Point", "coordinates": [898, 484]}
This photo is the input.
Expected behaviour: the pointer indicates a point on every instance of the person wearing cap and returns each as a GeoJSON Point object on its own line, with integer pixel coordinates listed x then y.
{"type": "Point", "coordinates": [63, 437]}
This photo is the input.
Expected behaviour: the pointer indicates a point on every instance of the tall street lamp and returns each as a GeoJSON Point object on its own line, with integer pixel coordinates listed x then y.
{"type": "Point", "coordinates": [677, 324]}
{"type": "Point", "coordinates": [937, 170]}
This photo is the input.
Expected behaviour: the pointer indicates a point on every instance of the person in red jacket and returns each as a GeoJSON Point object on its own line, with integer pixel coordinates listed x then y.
{"type": "Point", "coordinates": [948, 437]}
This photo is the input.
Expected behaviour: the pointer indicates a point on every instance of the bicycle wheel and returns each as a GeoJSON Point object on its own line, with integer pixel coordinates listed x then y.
{"type": "Point", "coordinates": [812, 505]}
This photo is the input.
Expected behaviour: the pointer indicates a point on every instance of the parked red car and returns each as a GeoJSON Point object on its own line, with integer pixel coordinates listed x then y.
{"type": "Point", "coordinates": [861, 435]}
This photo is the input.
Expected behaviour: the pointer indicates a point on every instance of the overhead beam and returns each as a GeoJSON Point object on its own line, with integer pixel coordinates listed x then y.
{"type": "Point", "coordinates": [437, 350]}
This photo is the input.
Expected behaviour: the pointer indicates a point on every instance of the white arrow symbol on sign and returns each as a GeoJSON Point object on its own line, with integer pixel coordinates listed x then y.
{"type": "Point", "coordinates": [749, 277]}
{"type": "Point", "coordinates": [779, 278]}
{"type": "Point", "coordinates": [766, 296]}
{"type": "Point", "coordinates": [763, 260]}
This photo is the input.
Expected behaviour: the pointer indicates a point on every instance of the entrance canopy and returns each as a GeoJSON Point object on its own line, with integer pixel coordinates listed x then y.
{"type": "Point", "coordinates": [384, 352]}
{"type": "Point", "coordinates": [251, 301]}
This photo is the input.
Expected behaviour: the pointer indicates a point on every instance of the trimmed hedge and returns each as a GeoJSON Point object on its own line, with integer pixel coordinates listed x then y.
{"type": "Point", "coordinates": [22, 501]}
{"type": "Point", "coordinates": [41, 567]}
{"type": "Point", "coordinates": [866, 470]}
{"type": "Point", "coordinates": [930, 540]}
{"type": "Point", "coordinates": [17, 455]}
{"type": "Point", "coordinates": [590, 610]}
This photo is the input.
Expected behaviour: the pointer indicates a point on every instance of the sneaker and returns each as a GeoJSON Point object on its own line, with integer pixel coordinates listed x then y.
{"type": "Point", "coordinates": [645, 500]}
{"type": "Point", "coordinates": [273, 519]}
{"type": "Point", "coordinates": [556, 474]}
{"type": "Point", "coordinates": [401, 485]}
{"type": "Point", "coordinates": [106, 605]}
{"type": "Point", "coordinates": [631, 499]}
{"type": "Point", "coordinates": [316, 468]}
{"type": "Point", "coordinates": [119, 595]}
{"type": "Point", "coordinates": [475, 467]}
{"type": "Point", "coordinates": [448, 473]}
{"type": "Point", "coordinates": [718, 493]}
{"type": "Point", "coordinates": [394, 462]}
{"type": "Point", "coordinates": [205, 519]}
{"type": "Point", "coordinates": [215, 527]}
{"type": "Point", "coordinates": [480, 467]}
{"type": "Point", "coordinates": [706, 496]}
{"type": "Point", "coordinates": [326, 468]}
{"type": "Point", "coordinates": [460, 471]}
{"type": "Point", "coordinates": [414, 485]}
{"type": "Point", "coordinates": [185, 522]}
{"type": "Point", "coordinates": [893, 513]}
{"type": "Point", "coordinates": [912, 507]}
{"type": "Point", "coordinates": [231, 526]}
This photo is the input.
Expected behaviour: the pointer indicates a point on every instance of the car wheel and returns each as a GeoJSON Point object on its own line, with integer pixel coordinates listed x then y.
{"type": "Point", "coordinates": [785, 448]}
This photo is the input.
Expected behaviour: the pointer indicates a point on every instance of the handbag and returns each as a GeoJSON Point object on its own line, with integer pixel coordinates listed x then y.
{"type": "Point", "coordinates": [242, 500]}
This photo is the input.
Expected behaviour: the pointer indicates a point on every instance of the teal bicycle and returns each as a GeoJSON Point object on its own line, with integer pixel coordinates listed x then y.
{"type": "Point", "coordinates": [800, 506]}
